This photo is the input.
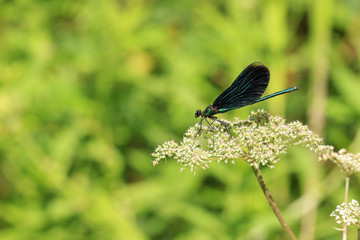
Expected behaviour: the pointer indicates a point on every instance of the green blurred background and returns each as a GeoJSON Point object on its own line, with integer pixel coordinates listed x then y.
{"type": "Point", "coordinates": [88, 89]}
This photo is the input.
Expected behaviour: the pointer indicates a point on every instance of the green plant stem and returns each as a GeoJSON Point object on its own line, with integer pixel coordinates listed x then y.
{"type": "Point", "coordinates": [347, 183]}
{"type": "Point", "coordinates": [271, 201]}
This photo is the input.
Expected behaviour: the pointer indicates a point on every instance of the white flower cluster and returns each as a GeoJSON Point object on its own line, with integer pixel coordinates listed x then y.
{"type": "Point", "coordinates": [348, 214]}
{"type": "Point", "coordinates": [348, 162]}
{"type": "Point", "coordinates": [187, 153]}
{"type": "Point", "coordinates": [259, 140]}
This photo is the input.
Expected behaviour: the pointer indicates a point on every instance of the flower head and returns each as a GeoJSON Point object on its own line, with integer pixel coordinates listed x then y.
{"type": "Point", "coordinates": [260, 139]}
{"type": "Point", "coordinates": [348, 162]}
{"type": "Point", "coordinates": [348, 214]}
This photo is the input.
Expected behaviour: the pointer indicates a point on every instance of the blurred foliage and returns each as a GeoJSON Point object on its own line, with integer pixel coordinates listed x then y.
{"type": "Point", "coordinates": [89, 88]}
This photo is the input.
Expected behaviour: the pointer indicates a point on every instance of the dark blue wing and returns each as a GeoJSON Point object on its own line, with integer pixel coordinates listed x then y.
{"type": "Point", "coordinates": [247, 88]}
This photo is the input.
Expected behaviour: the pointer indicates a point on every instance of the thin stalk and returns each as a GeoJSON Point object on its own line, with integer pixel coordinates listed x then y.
{"type": "Point", "coordinates": [271, 202]}
{"type": "Point", "coordinates": [347, 183]}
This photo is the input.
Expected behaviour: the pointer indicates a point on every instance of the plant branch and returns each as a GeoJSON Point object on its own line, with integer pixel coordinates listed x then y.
{"type": "Point", "coordinates": [271, 201]}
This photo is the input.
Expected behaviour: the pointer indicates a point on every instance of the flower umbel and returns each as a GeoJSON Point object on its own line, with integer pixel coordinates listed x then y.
{"type": "Point", "coordinates": [259, 140]}
{"type": "Point", "coordinates": [348, 214]}
{"type": "Point", "coordinates": [348, 162]}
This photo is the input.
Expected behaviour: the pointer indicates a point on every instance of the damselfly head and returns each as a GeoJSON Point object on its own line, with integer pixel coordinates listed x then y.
{"type": "Point", "coordinates": [197, 113]}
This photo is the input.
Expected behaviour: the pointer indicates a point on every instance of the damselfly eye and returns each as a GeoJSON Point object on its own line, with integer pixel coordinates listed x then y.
{"type": "Point", "coordinates": [197, 113]}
